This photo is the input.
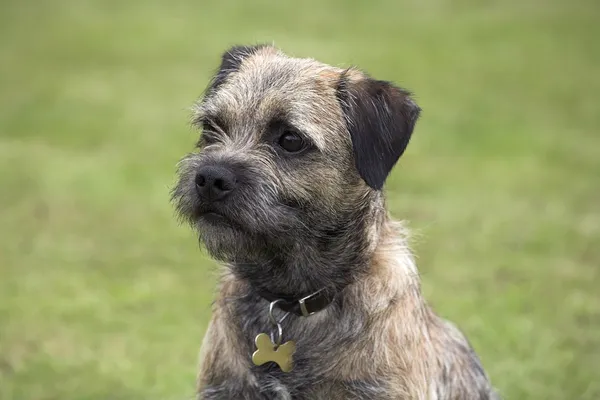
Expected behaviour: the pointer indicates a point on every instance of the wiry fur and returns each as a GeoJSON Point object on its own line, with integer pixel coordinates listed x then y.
{"type": "Point", "coordinates": [297, 223]}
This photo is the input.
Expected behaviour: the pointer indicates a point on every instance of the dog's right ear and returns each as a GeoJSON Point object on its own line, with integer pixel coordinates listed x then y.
{"type": "Point", "coordinates": [380, 118]}
{"type": "Point", "coordinates": [230, 62]}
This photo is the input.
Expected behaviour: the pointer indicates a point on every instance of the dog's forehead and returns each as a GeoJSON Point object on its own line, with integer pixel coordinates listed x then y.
{"type": "Point", "coordinates": [271, 85]}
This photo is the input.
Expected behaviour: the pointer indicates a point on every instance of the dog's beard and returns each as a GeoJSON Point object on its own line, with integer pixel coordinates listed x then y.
{"type": "Point", "coordinates": [247, 228]}
{"type": "Point", "coordinates": [278, 246]}
{"type": "Point", "coordinates": [243, 238]}
{"type": "Point", "coordinates": [228, 243]}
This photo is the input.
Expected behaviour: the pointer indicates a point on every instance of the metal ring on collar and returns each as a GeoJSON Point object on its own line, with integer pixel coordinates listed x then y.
{"type": "Point", "coordinates": [272, 316]}
{"type": "Point", "coordinates": [277, 342]}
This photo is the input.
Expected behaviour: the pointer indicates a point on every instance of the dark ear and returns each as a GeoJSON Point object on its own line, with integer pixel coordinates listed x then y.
{"type": "Point", "coordinates": [230, 62]}
{"type": "Point", "coordinates": [380, 118]}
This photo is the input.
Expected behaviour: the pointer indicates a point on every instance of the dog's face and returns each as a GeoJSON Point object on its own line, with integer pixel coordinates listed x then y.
{"type": "Point", "coordinates": [292, 152]}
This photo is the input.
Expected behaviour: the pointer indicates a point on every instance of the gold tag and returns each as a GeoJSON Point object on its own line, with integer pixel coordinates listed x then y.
{"type": "Point", "coordinates": [265, 352]}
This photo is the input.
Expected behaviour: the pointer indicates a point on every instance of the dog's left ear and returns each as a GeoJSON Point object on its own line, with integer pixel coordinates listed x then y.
{"type": "Point", "coordinates": [231, 60]}
{"type": "Point", "coordinates": [380, 118]}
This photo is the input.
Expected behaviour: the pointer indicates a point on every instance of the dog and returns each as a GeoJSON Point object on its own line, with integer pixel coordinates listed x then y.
{"type": "Point", "coordinates": [286, 190]}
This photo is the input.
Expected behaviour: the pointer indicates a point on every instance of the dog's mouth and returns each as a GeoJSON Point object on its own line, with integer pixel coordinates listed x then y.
{"type": "Point", "coordinates": [211, 217]}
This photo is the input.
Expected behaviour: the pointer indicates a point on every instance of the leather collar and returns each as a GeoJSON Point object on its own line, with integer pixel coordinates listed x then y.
{"type": "Point", "coordinates": [304, 306]}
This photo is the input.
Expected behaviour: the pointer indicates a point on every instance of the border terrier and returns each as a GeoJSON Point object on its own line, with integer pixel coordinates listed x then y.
{"type": "Point", "coordinates": [285, 188]}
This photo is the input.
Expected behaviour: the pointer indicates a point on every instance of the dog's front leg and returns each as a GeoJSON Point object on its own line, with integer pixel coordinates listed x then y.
{"type": "Point", "coordinates": [225, 373]}
{"type": "Point", "coordinates": [246, 388]}
{"type": "Point", "coordinates": [232, 390]}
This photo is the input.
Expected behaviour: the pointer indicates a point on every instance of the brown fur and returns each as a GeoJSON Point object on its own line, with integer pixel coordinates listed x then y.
{"type": "Point", "coordinates": [299, 223]}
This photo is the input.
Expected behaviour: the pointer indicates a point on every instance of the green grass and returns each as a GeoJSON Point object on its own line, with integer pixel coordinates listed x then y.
{"type": "Point", "coordinates": [104, 296]}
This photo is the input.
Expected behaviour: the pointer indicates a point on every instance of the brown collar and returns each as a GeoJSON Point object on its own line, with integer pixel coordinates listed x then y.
{"type": "Point", "coordinates": [304, 306]}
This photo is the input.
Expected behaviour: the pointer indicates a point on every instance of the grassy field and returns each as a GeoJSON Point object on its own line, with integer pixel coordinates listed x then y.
{"type": "Point", "coordinates": [104, 296]}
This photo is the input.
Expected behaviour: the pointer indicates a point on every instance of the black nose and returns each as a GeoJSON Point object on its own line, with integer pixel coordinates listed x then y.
{"type": "Point", "coordinates": [214, 182]}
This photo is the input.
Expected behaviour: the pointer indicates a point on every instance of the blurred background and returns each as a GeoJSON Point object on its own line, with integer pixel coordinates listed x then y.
{"type": "Point", "coordinates": [104, 296]}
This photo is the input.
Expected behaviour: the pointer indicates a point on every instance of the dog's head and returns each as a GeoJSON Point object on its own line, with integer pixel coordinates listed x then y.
{"type": "Point", "coordinates": [292, 152]}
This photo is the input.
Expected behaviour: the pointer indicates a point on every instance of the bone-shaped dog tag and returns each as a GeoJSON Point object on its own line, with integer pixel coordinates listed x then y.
{"type": "Point", "coordinates": [265, 352]}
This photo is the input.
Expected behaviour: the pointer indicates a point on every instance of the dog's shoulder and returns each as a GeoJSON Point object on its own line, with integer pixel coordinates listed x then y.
{"type": "Point", "coordinates": [460, 373]}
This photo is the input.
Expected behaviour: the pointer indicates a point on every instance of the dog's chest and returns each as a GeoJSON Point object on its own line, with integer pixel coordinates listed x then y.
{"type": "Point", "coordinates": [302, 385]}
{"type": "Point", "coordinates": [312, 377]}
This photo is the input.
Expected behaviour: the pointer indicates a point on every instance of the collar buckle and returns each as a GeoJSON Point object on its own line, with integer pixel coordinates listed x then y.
{"type": "Point", "coordinates": [302, 302]}
{"type": "Point", "coordinates": [306, 306]}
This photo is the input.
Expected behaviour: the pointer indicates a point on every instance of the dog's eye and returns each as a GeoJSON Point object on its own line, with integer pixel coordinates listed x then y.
{"type": "Point", "coordinates": [206, 139]}
{"type": "Point", "coordinates": [291, 141]}
{"type": "Point", "coordinates": [207, 126]}
{"type": "Point", "coordinates": [209, 132]}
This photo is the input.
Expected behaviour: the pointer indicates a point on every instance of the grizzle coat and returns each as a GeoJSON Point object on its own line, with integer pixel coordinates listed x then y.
{"type": "Point", "coordinates": [286, 190]}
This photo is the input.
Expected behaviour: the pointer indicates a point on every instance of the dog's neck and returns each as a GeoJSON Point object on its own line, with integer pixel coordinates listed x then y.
{"type": "Point", "coordinates": [389, 272]}
{"type": "Point", "coordinates": [333, 259]}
